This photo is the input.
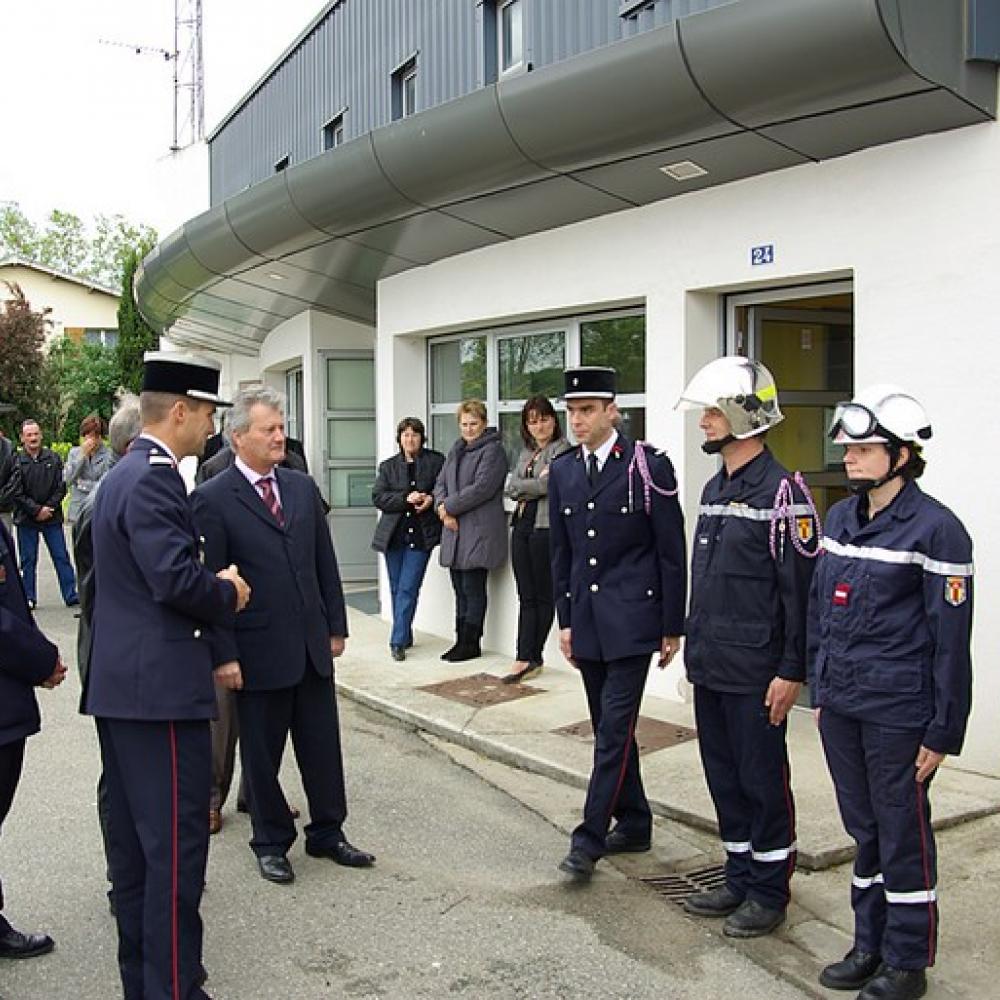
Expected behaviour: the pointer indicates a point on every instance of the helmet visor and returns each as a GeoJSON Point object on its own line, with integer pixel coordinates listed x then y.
{"type": "Point", "coordinates": [853, 420]}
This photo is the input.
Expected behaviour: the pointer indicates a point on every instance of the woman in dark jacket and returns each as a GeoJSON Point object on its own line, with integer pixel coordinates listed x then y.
{"type": "Point", "coordinates": [469, 501]}
{"type": "Point", "coordinates": [529, 541]}
{"type": "Point", "coordinates": [408, 529]}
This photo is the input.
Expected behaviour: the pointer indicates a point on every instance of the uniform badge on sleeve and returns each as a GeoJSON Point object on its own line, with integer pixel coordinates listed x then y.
{"type": "Point", "coordinates": [805, 528]}
{"type": "Point", "coordinates": [955, 590]}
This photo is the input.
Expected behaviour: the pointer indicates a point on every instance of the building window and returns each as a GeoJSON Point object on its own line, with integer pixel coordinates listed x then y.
{"type": "Point", "coordinates": [333, 132]}
{"type": "Point", "coordinates": [510, 35]}
{"type": "Point", "coordinates": [282, 164]}
{"type": "Point", "coordinates": [294, 406]}
{"type": "Point", "coordinates": [505, 367]}
{"type": "Point", "coordinates": [404, 90]}
{"type": "Point", "coordinates": [104, 338]}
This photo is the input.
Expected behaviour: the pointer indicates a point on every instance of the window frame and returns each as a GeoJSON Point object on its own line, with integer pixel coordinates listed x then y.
{"type": "Point", "coordinates": [333, 130]}
{"type": "Point", "coordinates": [500, 7]}
{"type": "Point", "coordinates": [404, 74]}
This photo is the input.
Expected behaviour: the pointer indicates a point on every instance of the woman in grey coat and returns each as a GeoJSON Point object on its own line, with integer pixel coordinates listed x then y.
{"type": "Point", "coordinates": [468, 498]}
{"type": "Point", "coordinates": [86, 464]}
{"type": "Point", "coordinates": [529, 538]}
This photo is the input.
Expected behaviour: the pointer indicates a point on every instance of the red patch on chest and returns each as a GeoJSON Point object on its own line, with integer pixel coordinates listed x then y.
{"type": "Point", "coordinates": [841, 594]}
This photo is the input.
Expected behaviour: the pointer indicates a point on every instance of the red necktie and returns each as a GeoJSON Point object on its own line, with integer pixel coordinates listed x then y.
{"type": "Point", "coordinates": [271, 500]}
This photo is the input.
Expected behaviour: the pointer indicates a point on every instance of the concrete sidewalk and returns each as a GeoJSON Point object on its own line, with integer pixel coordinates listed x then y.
{"type": "Point", "coordinates": [520, 734]}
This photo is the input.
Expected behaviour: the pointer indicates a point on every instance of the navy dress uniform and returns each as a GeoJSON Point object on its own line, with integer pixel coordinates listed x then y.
{"type": "Point", "coordinates": [754, 551]}
{"type": "Point", "coordinates": [890, 671]}
{"type": "Point", "coordinates": [27, 660]}
{"type": "Point", "coordinates": [150, 686]}
{"type": "Point", "coordinates": [619, 579]}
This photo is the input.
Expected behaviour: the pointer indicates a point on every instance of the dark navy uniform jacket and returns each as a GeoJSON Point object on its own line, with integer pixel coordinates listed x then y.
{"type": "Point", "coordinates": [747, 622]}
{"type": "Point", "coordinates": [296, 602]}
{"type": "Point", "coordinates": [27, 658]}
{"type": "Point", "coordinates": [891, 618]}
{"type": "Point", "coordinates": [155, 603]}
{"type": "Point", "coordinates": [618, 573]}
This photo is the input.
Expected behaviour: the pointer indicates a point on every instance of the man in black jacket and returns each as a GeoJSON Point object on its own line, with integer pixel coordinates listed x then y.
{"type": "Point", "coordinates": [38, 490]}
{"type": "Point", "coordinates": [6, 477]}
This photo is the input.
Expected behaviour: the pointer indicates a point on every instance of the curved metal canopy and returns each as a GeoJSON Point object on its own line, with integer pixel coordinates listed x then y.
{"type": "Point", "coordinates": [739, 90]}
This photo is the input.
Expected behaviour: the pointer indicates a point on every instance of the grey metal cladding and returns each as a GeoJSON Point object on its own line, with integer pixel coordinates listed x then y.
{"type": "Point", "coordinates": [345, 64]}
{"type": "Point", "coordinates": [266, 220]}
{"type": "Point", "coordinates": [634, 97]}
{"type": "Point", "coordinates": [470, 135]}
{"type": "Point", "coordinates": [214, 245]}
{"type": "Point", "coordinates": [358, 195]}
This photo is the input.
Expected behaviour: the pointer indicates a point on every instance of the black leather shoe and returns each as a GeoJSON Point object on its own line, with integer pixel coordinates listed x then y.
{"type": "Point", "coordinates": [852, 971]}
{"type": "Point", "coordinates": [718, 902]}
{"type": "Point", "coordinates": [895, 984]}
{"type": "Point", "coordinates": [617, 842]}
{"type": "Point", "coordinates": [398, 653]}
{"type": "Point", "coordinates": [276, 868]}
{"type": "Point", "coordinates": [579, 866]}
{"type": "Point", "coordinates": [343, 853]}
{"type": "Point", "coordinates": [14, 944]}
{"type": "Point", "coordinates": [750, 920]}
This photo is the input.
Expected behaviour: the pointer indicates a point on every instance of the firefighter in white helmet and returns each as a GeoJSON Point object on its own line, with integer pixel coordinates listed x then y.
{"type": "Point", "coordinates": [890, 677]}
{"type": "Point", "coordinates": [754, 545]}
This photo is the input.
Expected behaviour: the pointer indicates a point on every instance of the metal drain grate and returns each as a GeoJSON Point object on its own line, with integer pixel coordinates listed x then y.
{"type": "Point", "coordinates": [650, 734]}
{"type": "Point", "coordinates": [681, 885]}
{"type": "Point", "coordinates": [480, 690]}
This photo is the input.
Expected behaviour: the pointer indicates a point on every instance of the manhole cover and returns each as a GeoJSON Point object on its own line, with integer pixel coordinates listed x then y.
{"type": "Point", "coordinates": [650, 734]}
{"type": "Point", "coordinates": [682, 885]}
{"type": "Point", "coordinates": [480, 690]}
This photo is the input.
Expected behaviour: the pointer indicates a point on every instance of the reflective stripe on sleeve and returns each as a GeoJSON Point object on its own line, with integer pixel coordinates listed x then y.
{"type": "Point", "coordinates": [752, 513]}
{"type": "Point", "coordinates": [867, 881]}
{"type": "Point", "coordinates": [919, 896]}
{"type": "Point", "coordinates": [898, 557]}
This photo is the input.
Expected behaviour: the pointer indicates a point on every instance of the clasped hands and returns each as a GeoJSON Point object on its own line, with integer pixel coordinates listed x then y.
{"type": "Point", "coordinates": [450, 522]}
{"type": "Point", "coordinates": [232, 574]}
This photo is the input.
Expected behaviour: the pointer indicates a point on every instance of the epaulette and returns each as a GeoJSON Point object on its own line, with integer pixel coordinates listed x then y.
{"type": "Point", "coordinates": [155, 459]}
{"type": "Point", "coordinates": [651, 449]}
{"type": "Point", "coordinates": [572, 451]}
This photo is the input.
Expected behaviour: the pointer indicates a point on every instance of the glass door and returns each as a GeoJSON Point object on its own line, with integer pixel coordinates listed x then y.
{"type": "Point", "coordinates": [350, 460]}
{"type": "Point", "coordinates": [805, 336]}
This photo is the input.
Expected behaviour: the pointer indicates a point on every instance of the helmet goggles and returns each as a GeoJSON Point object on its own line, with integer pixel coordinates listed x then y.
{"type": "Point", "coordinates": [854, 421]}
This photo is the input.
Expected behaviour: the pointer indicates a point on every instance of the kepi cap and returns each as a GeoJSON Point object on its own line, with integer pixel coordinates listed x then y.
{"type": "Point", "coordinates": [182, 375]}
{"type": "Point", "coordinates": [590, 382]}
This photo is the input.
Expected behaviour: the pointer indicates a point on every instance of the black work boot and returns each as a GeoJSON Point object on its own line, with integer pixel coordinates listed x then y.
{"type": "Point", "coordinates": [449, 654]}
{"type": "Point", "coordinates": [751, 920]}
{"type": "Point", "coordinates": [719, 902]}
{"type": "Point", "coordinates": [895, 984]}
{"type": "Point", "coordinates": [852, 971]}
{"type": "Point", "coordinates": [468, 644]}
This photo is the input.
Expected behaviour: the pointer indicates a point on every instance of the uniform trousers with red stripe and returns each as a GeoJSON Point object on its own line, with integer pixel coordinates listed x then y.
{"type": "Point", "coordinates": [885, 809]}
{"type": "Point", "coordinates": [746, 766]}
{"type": "Point", "coordinates": [614, 693]}
{"type": "Point", "coordinates": [158, 781]}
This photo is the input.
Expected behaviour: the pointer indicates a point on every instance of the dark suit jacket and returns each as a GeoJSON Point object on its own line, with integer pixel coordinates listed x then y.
{"type": "Point", "coordinates": [297, 602]}
{"type": "Point", "coordinates": [619, 573]}
{"type": "Point", "coordinates": [26, 657]}
{"type": "Point", "coordinates": [155, 602]}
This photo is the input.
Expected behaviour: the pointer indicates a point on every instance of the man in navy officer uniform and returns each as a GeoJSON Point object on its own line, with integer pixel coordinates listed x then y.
{"type": "Point", "coordinates": [754, 550]}
{"type": "Point", "coordinates": [619, 577]}
{"type": "Point", "coordinates": [150, 682]}
{"type": "Point", "coordinates": [27, 660]}
{"type": "Point", "coordinates": [890, 671]}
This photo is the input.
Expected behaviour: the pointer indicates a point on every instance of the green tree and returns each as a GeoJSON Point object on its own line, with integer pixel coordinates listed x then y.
{"type": "Point", "coordinates": [135, 335]}
{"type": "Point", "coordinates": [86, 380]}
{"type": "Point", "coordinates": [23, 381]}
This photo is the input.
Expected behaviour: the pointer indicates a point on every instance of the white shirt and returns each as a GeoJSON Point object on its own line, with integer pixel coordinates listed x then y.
{"type": "Point", "coordinates": [602, 453]}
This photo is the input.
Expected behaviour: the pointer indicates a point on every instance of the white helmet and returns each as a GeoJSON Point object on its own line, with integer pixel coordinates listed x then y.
{"type": "Point", "coordinates": [742, 389]}
{"type": "Point", "coordinates": [880, 414]}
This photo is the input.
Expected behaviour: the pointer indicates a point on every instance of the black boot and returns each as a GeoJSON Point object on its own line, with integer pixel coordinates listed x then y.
{"type": "Point", "coordinates": [895, 984]}
{"type": "Point", "coordinates": [468, 646]}
{"type": "Point", "coordinates": [449, 654]}
{"type": "Point", "coordinates": [852, 971]}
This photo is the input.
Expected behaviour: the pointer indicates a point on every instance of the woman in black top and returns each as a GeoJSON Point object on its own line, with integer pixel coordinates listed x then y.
{"type": "Point", "coordinates": [408, 529]}
{"type": "Point", "coordinates": [529, 543]}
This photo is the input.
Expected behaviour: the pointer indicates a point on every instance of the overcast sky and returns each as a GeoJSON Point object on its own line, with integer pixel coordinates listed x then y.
{"type": "Point", "coordinates": [85, 123]}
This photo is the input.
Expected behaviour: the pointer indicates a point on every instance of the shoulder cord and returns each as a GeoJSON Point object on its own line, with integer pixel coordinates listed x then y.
{"type": "Point", "coordinates": [639, 464]}
{"type": "Point", "coordinates": [783, 518]}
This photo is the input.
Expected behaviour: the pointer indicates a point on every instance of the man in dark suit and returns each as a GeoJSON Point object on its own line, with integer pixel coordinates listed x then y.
{"type": "Point", "coordinates": [150, 680]}
{"type": "Point", "coordinates": [27, 660]}
{"type": "Point", "coordinates": [619, 576]}
{"type": "Point", "coordinates": [280, 651]}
